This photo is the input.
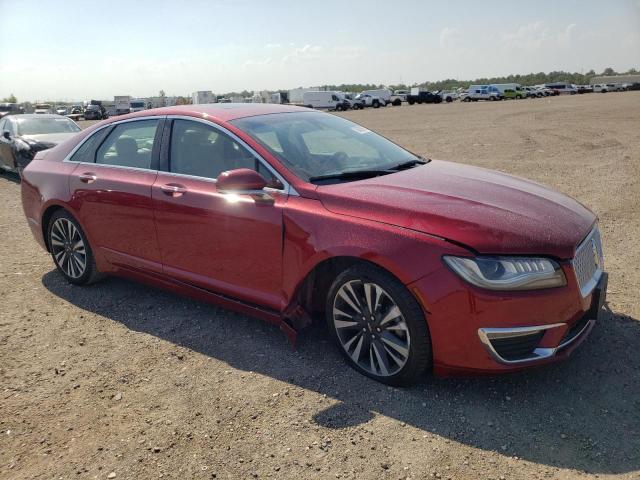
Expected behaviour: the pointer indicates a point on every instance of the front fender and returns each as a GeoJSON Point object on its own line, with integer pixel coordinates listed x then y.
{"type": "Point", "coordinates": [312, 235]}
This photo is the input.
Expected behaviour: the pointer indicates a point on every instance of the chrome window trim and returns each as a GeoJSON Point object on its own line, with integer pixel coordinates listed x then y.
{"type": "Point", "coordinates": [119, 167]}
{"type": "Point", "coordinates": [288, 188]}
{"type": "Point", "coordinates": [67, 158]}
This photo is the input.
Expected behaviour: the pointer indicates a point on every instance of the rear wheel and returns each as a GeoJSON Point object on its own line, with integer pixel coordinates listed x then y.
{"type": "Point", "coordinates": [378, 325]}
{"type": "Point", "coordinates": [70, 249]}
{"type": "Point", "coordinates": [376, 104]}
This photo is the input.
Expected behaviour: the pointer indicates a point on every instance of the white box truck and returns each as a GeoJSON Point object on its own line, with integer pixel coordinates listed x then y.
{"type": "Point", "coordinates": [137, 105]}
{"type": "Point", "coordinates": [325, 100]}
{"type": "Point", "coordinates": [122, 104]}
{"type": "Point", "coordinates": [203, 96]}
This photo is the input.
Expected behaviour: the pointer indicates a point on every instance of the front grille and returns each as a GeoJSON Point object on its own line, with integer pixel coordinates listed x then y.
{"type": "Point", "coordinates": [517, 347]}
{"type": "Point", "coordinates": [588, 262]}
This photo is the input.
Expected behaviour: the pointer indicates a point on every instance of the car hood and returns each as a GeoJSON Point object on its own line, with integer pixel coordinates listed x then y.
{"type": "Point", "coordinates": [488, 211]}
{"type": "Point", "coordinates": [54, 138]}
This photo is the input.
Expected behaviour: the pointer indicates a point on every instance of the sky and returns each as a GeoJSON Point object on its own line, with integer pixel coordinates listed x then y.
{"type": "Point", "coordinates": [75, 50]}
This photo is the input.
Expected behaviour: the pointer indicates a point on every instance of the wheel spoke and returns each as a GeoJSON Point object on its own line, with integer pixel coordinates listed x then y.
{"type": "Point", "coordinates": [356, 352]}
{"type": "Point", "coordinates": [79, 261]}
{"type": "Point", "coordinates": [346, 298]}
{"type": "Point", "coordinates": [383, 363]}
{"type": "Point", "coordinates": [345, 324]}
{"type": "Point", "coordinates": [394, 312]}
{"type": "Point", "coordinates": [394, 343]}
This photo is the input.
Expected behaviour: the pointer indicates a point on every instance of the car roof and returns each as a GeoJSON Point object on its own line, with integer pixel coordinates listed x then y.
{"type": "Point", "coordinates": [222, 112]}
{"type": "Point", "coordinates": [35, 115]}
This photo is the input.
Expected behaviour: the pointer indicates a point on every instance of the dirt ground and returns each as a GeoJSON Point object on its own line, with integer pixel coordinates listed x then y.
{"type": "Point", "coordinates": [119, 380]}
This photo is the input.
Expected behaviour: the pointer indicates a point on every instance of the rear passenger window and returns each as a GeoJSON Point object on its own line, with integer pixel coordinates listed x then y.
{"type": "Point", "coordinates": [129, 145]}
{"type": "Point", "coordinates": [87, 151]}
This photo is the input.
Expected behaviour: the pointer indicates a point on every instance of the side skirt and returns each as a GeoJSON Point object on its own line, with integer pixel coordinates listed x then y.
{"type": "Point", "coordinates": [202, 294]}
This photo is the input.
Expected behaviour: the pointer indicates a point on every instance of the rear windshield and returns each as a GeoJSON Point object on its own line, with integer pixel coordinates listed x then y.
{"type": "Point", "coordinates": [41, 126]}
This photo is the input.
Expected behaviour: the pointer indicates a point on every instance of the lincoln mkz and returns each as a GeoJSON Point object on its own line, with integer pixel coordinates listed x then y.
{"type": "Point", "coordinates": [289, 215]}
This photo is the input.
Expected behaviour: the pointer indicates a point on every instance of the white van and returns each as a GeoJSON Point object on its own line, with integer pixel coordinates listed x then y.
{"type": "Point", "coordinates": [324, 100]}
{"type": "Point", "coordinates": [384, 94]}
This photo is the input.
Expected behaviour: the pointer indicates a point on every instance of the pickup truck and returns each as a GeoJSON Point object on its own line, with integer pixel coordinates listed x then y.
{"type": "Point", "coordinates": [481, 92]}
{"type": "Point", "coordinates": [367, 100]}
{"type": "Point", "coordinates": [423, 96]}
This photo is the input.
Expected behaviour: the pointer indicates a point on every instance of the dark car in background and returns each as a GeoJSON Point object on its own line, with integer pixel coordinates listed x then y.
{"type": "Point", "coordinates": [10, 109]}
{"type": "Point", "coordinates": [22, 136]}
{"type": "Point", "coordinates": [95, 112]}
{"type": "Point", "coordinates": [424, 97]}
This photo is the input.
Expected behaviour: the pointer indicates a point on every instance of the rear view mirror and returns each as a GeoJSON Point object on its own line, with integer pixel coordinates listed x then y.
{"type": "Point", "coordinates": [239, 180]}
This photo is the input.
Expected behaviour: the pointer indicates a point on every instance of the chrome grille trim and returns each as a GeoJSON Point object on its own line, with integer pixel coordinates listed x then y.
{"type": "Point", "coordinates": [588, 262]}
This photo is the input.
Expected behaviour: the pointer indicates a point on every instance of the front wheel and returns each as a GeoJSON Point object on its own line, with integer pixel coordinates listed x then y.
{"type": "Point", "coordinates": [70, 249]}
{"type": "Point", "coordinates": [378, 325]}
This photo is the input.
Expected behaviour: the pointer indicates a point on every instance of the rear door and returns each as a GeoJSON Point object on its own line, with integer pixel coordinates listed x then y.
{"type": "Point", "coordinates": [111, 190]}
{"type": "Point", "coordinates": [227, 243]}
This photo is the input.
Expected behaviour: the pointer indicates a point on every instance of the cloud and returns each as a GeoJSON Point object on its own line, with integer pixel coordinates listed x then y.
{"type": "Point", "coordinates": [449, 37]}
{"type": "Point", "coordinates": [526, 37]}
{"type": "Point", "coordinates": [308, 52]}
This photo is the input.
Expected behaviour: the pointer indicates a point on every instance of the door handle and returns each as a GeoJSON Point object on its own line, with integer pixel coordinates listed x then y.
{"type": "Point", "coordinates": [88, 177]}
{"type": "Point", "coordinates": [173, 189]}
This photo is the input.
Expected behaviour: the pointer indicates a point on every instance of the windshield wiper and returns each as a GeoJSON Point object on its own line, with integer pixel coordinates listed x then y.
{"type": "Point", "coordinates": [349, 174]}
{"type": "Point", "coordinates": [409, 164]}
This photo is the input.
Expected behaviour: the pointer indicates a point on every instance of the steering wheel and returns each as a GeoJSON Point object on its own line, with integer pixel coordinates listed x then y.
{"type": "Point", "coordinates": [340, 159]}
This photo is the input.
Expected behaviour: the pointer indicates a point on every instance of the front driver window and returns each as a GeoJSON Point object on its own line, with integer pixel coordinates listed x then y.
{"type": "Point", "coordinates": [129, 145]}
{"type": "Point", "coordinates": [201, 150]}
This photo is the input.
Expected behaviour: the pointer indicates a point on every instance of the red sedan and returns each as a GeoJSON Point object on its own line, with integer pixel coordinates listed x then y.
{"type": "Point", "coordinates": [287, 214]}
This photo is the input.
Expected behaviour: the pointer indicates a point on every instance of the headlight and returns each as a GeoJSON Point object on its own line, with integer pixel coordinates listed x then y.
{"type": "Point", "coordinates": [508, 273]}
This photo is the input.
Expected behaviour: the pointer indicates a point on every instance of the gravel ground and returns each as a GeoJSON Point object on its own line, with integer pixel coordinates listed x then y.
{"type": "Point", "coordinates": [119, 380]}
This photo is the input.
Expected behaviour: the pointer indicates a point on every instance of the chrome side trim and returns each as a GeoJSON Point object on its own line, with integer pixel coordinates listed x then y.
{"type": "Point", "coordinates": [486, 334]}
{"type": "Point", "coordinates": [586, 327]}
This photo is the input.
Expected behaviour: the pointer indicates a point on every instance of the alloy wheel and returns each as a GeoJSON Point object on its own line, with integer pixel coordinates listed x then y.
{"type": "Point", "coordinates": [371, 328]}
{"type": "Point", "coordinates": [68, 248]}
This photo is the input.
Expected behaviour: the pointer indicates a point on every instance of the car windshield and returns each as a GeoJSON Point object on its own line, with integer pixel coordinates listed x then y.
{"type": "Point", "coordinates": [313, 144]}
{"type": "Point", "coordinates": [40, 126]}
{"type": "Point", "coordinates": [5, 108]}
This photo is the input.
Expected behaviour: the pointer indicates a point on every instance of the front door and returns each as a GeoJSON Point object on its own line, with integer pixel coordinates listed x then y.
{"type": "Point", "coordinates": [226, 243]}
{"type": "Point", "coordinates": [111, 189]}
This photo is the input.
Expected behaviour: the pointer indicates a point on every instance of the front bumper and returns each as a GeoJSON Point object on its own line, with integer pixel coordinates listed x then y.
{"type": "Point", "coordinates": [522, 345]}
{"type": "Point", "coordinates": [474, 331]}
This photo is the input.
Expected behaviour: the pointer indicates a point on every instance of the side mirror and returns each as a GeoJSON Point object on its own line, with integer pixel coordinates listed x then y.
{"type": "Point", "coordinates": [7, 134]}
{"type": "Point", "coordinates": [240, 180]}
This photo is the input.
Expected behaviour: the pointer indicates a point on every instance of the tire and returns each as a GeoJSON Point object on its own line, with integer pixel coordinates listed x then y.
{"type": "Point", "coordinates": [449, 99]}
{"type": "Point", "coordinates": [68, 242]}
{"type": "Point", "coordinates": [397, 102]}
{"type": "Point", "coordinates": [398, 354]}
{"type": "Point", "coordinates": [338, 108]}
{"type": "Point", "coordinates": [411, 102]}
{"type": "Point", "coordinates": [376, 104]}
